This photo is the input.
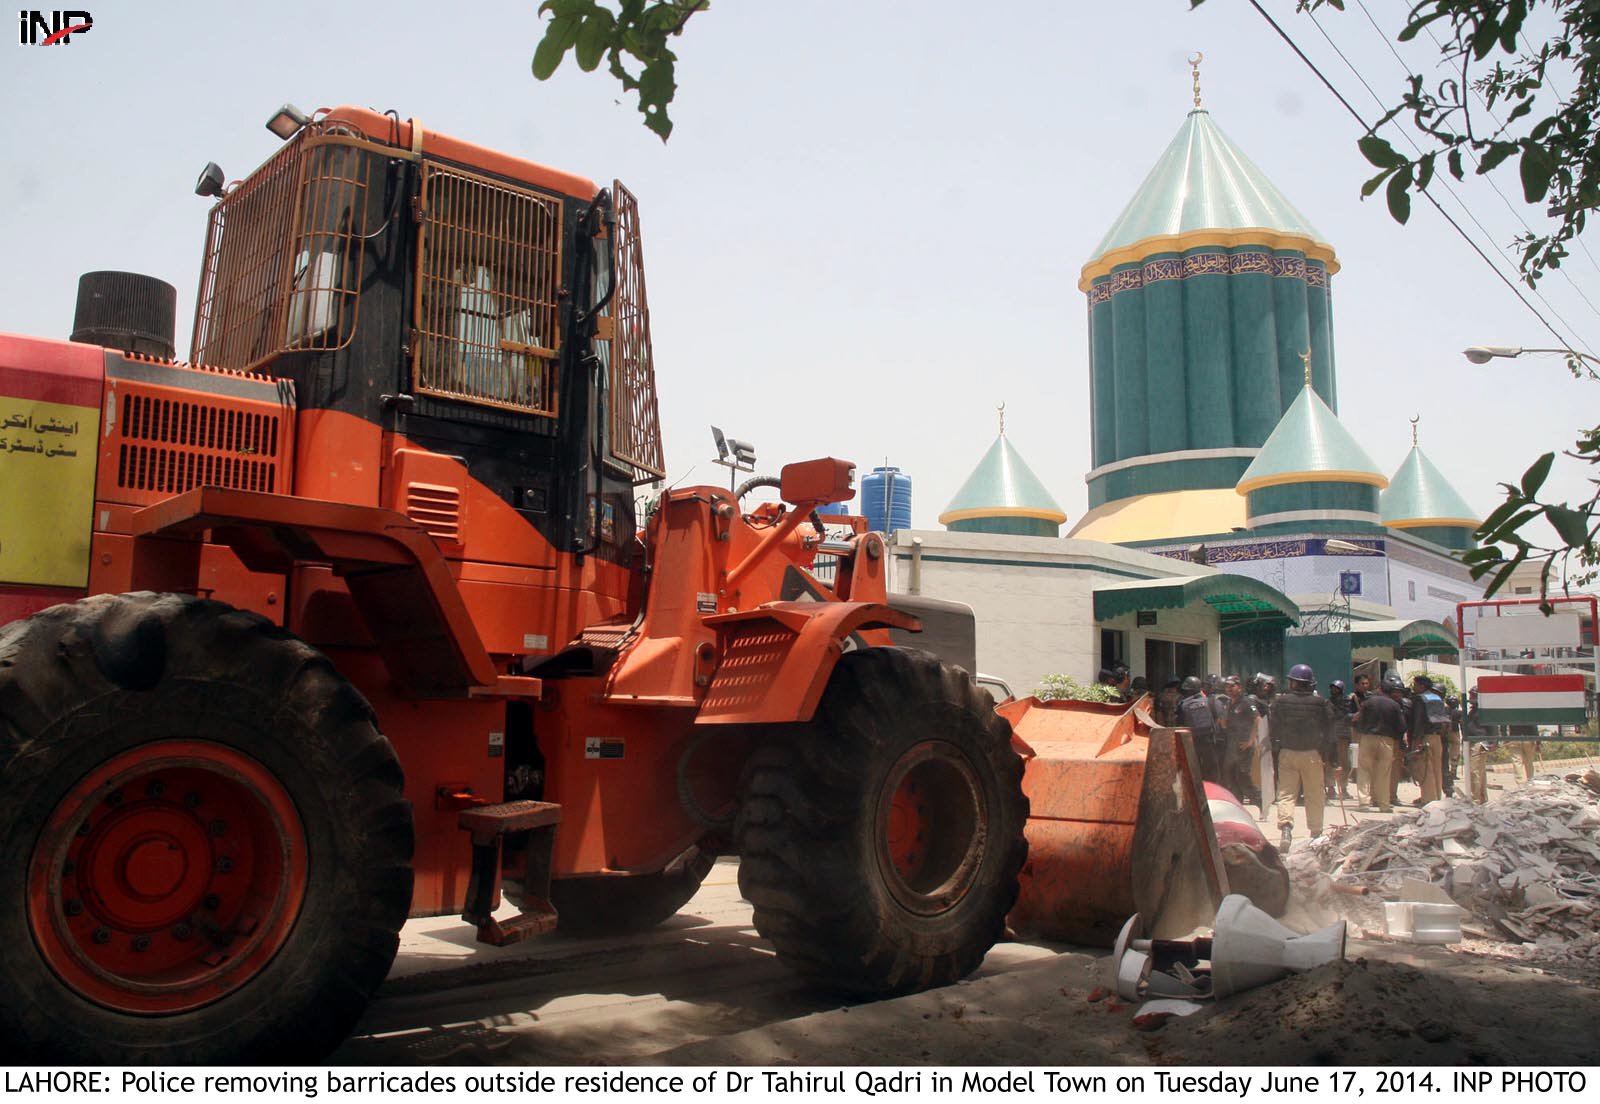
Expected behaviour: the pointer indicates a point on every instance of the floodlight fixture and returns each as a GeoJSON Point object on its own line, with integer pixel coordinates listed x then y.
{"type": "Point", "coordinates": [287, 121]}
{"type": "Point", "coordinates": [211, 180]}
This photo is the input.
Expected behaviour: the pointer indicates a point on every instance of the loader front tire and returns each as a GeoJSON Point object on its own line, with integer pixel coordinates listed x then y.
{"type": "Point", "coordinates": [880, 843]}
{"type": "Point", "coordinates": [204, 844]}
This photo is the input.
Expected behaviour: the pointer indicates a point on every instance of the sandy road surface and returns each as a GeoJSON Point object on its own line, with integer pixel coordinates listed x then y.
{"type": "Point", "coordinates": [702, 975]}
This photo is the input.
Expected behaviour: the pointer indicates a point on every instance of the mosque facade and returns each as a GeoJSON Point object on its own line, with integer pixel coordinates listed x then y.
{"type": "Point", "coordinates": [1214, 428]}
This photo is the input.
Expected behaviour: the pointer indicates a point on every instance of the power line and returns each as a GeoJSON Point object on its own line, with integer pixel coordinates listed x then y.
{"type": "Point", "coordinates": [1440, 178]}
{"type": "Point", "coordinates": [1356, 115]}
{"type": "Point", "coordinates": [1515, 210]}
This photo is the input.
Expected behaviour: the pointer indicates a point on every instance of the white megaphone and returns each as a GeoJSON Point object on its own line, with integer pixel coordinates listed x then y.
{"type": "Point", "coordinates": [1250, 948]}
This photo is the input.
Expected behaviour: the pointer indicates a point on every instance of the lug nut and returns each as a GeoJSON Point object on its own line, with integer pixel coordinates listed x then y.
{"type": "Point", "coordinates": [85, 828]}
{"type": "Point", "coordinates": [219, 828]}
{"type": "Point", "coordinates": [182, 930]}
{"type": "Point", "coordinates": [102, 935]}
{"type": "Point", "coordinates": [73, 907]}
{"type": "Point", "coordinates": [212, 902]}
{"type": "Point", "coordinates": [141, 943]}
{"type": "Point", "coordinates": [114, 798]}
{"type": "Point", "coordinates": [191, 800]}
{"type": "Point", "coordinates": [224, 865]}
{"type": "Point", "coordinates": [156, 788]}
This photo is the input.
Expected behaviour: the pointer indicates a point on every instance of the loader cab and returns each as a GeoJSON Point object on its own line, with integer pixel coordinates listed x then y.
{"type": "Point", "coordinates": [466, 332]}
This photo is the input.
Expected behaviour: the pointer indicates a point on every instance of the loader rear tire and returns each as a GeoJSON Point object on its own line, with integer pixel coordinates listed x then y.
{"type": "Point", "coordinates": [880, 843]}
{"type": "Point", "coordinates": [613, 905]}
{"type": "Point", "coordinates": [204, 844]}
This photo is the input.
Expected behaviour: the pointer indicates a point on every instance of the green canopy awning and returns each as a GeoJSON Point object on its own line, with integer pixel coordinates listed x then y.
{"type": "Point", "coordinates": [1237, 598]}
{"type": "Point", "coordinates": [1408, 639]}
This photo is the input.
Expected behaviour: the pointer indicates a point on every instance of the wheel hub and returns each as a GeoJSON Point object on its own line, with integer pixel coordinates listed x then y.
{"type": "Point", "coordinates": [931, 827]}
{"type": "Point", "coordinates": [167, 877]}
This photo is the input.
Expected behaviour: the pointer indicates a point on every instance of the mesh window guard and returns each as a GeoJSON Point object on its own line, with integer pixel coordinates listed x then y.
{"type": "Point", "coordinates": [488, 282]}
{"type": "Point", "coordinates": [635, 422]}
{"type": "Point", "coordinates": [283, 254]}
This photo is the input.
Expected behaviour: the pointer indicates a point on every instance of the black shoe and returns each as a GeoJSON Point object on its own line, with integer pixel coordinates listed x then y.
{"type": "Point", "coordinates": [1286, 837]}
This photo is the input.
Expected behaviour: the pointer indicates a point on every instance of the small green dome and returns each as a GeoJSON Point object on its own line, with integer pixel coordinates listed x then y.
{"type": "Point", "coordinates": [1002, 486]}
{"type": "Point", "coordinates": [1419, 496]}
{"type": "Point", "coordinates": [1310, 445]}
{"type": "Point", "coordinates": [1204, 182]}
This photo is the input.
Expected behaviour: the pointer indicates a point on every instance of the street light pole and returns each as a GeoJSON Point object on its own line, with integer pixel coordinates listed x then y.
{"type": "Point", "coordinates": [1483, 354]}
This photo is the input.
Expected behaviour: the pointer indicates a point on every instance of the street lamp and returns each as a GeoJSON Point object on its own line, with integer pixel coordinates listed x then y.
{"type": "Point", "coordinates": [1483, 354]}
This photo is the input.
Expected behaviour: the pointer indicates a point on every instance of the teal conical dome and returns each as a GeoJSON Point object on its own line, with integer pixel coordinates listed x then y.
{"type": "Point", "coordinates": [1310, 445]}
{"type": "Point", "coordinates": [1002, 495]}
{"type": "Point", "coordinates": [1311, 471]}
{"type": "Point", "coordinates": [1204, 182]}
{"type": "Point", "coordinates": [1202, 294]}
{"type": "Point", "coordinates": [1421, 500]}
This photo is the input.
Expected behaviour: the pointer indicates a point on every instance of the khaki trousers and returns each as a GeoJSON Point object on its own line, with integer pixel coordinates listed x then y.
{"type": "Point", "coordinates": [1376, 765]}
{"type": "Point", "coordinates": [1297, 769]}
{"type": "Point", "coordinates": [1526, 753]}
{"type": "Point", "coordinates": [1480, 775]}
{"type": "Point", "coordinates": [1430, 765]}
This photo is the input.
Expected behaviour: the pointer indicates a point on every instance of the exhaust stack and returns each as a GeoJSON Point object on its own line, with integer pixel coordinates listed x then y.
{"type": "Point", "coordinates": [127, 311]}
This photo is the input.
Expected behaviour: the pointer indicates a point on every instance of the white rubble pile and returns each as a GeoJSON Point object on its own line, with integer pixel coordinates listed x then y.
{"type": "Point", "coordinates": [1526, 867]}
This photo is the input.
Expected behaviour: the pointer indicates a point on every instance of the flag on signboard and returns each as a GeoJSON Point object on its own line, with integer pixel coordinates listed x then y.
{"type": "Point", "coordinates": [1532, 699]}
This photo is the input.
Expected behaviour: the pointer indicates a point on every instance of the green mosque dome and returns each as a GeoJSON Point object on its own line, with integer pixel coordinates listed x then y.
{"type": "Point", "coordinates": [1310, 445]}
{"type": "Point", "coordinates": [1002, 495]}
{"type": "Point", "coordinates": [1421, 501]}
{"type": "Point", "coordinates": [1202, 295]}
{"type": "Point", "coordinates": [1205, 183]}
{"type": "Point", "coordinates": [1311, 471]}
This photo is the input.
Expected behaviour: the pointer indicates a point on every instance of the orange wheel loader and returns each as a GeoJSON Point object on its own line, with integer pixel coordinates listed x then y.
{"type": "Point", "coordinates": [361, 616]}
{"type": "Point", "coordinates": [358, 617]}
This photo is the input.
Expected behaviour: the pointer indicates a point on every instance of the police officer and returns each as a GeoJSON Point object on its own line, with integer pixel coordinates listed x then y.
{"type": "Point", "coordinates": [1482, 739]}
{"type": "Point", "coordinates": [1338, 756]}
{"type": "Point", "coordinates": [1194, 711]}
{"type": "Point", "coordinates": [1381, 726]}
{"type": "Point", "coordinates": [1298, 722]}
{"type": "Point", "coordinates": [1425, 728]}
{"type": "Point", "coordinates": [1236, 725]}
{"type": "Point", "coordinates": [1262, 690]}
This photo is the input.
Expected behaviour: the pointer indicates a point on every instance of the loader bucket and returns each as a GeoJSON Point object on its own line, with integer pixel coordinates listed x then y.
{"type": "Point", "coordinates": [1118, 824]}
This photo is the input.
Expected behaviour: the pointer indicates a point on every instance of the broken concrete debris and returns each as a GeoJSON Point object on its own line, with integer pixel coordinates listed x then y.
{"type": "Point", "coordinates": [1525, 869]}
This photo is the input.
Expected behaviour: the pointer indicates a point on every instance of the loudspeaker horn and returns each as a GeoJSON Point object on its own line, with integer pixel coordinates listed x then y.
{"type": "Point", "coordinates": [1250, 948]}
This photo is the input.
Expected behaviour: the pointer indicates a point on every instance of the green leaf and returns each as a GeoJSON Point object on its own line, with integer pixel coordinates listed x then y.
{"type": "Point", "coordinates": [1372, 185]}
{"type": "Point", "coordinates": [1570, 525]}
{"type": "Point", "coordinates": [1455, 164]}
{"type": "Point", "coordinates": [558, 38]}
{"type": "Point", "coordinates": [593, 38]}
{"type": "Point", "coordinates": [1399, 198]}
{"type": "Point", "coordinates": [1537, 168]}
{"type": "Point", "coordinates": [1496, 153]}
{"type": "Point", "coordinates": [1508, 528]}
{"type": "Point", "coordinates": [1424, 171]}
{"type": "Point", "coordinates": [1534, 477]}
{"type": "Point", "coordinates": [1496, 519]}
{"type": "Point", "coordinates": [1504, 573]}
{"type": "Point", "coordinates": [1380, 152]}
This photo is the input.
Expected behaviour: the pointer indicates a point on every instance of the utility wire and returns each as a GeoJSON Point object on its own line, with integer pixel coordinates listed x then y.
{"type": "Point", "coordinates": [1515, 210]}
{"type": "Point", "coordinates": [1356, 115]}
{"type": "Point", "coordinates": [1443, 180]}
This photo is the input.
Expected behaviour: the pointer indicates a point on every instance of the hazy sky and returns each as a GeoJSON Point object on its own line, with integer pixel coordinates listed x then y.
{"type": "Point", "coordinates": [867, 229]}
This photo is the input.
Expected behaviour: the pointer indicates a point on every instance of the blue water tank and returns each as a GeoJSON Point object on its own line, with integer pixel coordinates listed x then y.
{"type": "Point", "coordinates": [886, 500]}
{"type": "Point", "coordinates": [834, 509]}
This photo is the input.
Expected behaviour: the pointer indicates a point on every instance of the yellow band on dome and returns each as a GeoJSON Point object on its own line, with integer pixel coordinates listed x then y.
{"type": "Point", "coordinates": [1194, 239]}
